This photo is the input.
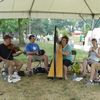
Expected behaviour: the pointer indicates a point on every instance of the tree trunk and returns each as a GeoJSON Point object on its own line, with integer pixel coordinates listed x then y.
{"type": "Point", "coordinates": [21, 36]}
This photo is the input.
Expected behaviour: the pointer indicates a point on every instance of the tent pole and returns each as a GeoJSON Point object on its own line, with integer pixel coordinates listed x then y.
{"type": "Point", "coordinates": [93, 22]}
{"type": "Point", "coordinates": [55, 36]}
{"type": "Point", "coordinates": [85, 21]}
{"type": "Point", "coordinates": [30, 10]}
{"type": "Point", "coordinates": [21, 39]}
{"type": "Point", "coordinates": [29, 26]}
{"type": "Point", "coordinates": [97, 21]}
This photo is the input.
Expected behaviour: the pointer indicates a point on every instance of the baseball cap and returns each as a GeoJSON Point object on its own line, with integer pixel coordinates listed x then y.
{"type": "Point", "coordinates": [7, 37]}
{"type": "Point", "coordinates": [32, 36]}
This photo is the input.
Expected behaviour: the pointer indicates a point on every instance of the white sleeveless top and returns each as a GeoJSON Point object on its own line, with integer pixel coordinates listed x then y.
{"type": "Point", "coordinates": [93, 55]}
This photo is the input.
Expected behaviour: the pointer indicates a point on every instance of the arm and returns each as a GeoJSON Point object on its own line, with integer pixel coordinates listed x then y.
{"type": "Point", "coordinates": [65, 53]}
{"type": "Point", "coordinates": [1, 58]}
{"type": "Point", "coordinates": [98, 54]}
{"type": "Point", "coordinates": [32, 53]}
{"type": "Point", "coordinates": [17, 53]}
{"type": "Point", "coordinates": [89, 53]}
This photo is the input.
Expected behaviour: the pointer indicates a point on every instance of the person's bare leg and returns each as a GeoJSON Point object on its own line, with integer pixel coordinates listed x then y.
{"type": "Point", "coordinates": [81, 67]}
{"type": "Point", "coordinates": [95, 76]}
{"type": "Point", "coordinates": [89, 68]}
{"type": "Point", "coordinates": [10, 67]}
{"type": "Point", "coordinates": [84, 66]}
{"type": "Point", "coordinates": [29, 63]}
{"type": "Point", "coordinates": [65, 72]}
{"type": "Point", "coordinates": [45, 58]}
{"type": "Point", "coordinates": [93, 70]}
{"type": "Point", "coordinates": [18, 65]}
{"type": "Point", "coordinates": [94, 67]}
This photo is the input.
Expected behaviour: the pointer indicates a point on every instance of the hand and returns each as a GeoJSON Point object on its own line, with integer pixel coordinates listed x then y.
{"type": "Point", "coordinates": [65, 53]}
{"type": "Point", "coordinates": [20, 52]}
{"type": "Point", "coordinates": [37, 53]}
{"type": "Point", "coordinates": [92, 50]}
{"type": "Point", "coordinates": [1, 58]}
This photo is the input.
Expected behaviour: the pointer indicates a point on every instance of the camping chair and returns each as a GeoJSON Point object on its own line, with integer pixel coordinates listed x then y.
{"type": "Point", "coordinates": [38, 63]}
{"type": "Point", "coordinates": [73, 55]}
{"type": "Point", "coordinates": [73, 52]}
{"type": "Point", "coordinates": [75, 66]}
{"type": "Point", "coordinates": [35, 64]}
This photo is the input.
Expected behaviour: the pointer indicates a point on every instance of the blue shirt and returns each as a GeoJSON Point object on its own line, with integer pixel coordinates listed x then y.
{"type": "Point", "coordinates": [32, 47]}
{"type": "Point", "coordinates": [69, 49]}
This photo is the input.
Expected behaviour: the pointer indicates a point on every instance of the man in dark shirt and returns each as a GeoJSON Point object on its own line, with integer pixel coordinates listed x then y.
{"type": "Point", "coordinates": [6, 55]}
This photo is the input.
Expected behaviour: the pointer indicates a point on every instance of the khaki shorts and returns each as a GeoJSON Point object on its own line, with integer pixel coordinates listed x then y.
{"type": "Point", "coordinates": [90, 61]}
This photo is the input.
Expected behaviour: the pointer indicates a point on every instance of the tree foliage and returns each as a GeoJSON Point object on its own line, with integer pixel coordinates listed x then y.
{"type": "Point", "coordinates": [45, 26]}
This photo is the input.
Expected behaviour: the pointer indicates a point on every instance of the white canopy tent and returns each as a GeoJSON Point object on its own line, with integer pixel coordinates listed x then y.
{"type": "Point", "coordinates": [49, 8]}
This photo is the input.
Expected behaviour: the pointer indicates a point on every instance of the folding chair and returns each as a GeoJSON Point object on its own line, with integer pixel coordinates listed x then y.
{"type": "Point", "coordinates": [38, 63]}
{"type": "Point", "coordinates": [73, 52]}
{"type": "Point", "coordinates": [75, 64]}
{"type": "Point", "coordinates": [74, 55]}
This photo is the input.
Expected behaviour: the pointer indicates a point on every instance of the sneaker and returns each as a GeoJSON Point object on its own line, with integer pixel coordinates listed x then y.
{"type": "Point", "coordinates": [74, 76]}
{"type": "Point", "coordinates": [15, 80]}
{"type": "Point", "coordinates": [96, 81]}
{"type": "Point", "coordinates": [15, 74]}
{"type": "Point", "coordinates": [90, 83]}
{"type": "Point", "coordinates": [12, 79]}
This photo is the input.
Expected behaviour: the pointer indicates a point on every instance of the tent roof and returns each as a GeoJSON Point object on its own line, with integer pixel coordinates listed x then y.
{"type": "Point", "coordinates": [49, 8]}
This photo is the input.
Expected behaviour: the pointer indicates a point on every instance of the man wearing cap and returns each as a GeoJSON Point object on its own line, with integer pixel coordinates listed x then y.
{"type": "Point", "coordinates": [32, 50]}
{"type": "Point", "coordinates": [6, 55]}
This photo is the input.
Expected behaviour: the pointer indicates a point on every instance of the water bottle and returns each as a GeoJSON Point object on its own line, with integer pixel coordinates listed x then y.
{"type": "Point", "coordinates": [74, 76]}
{"type": "Point", "coordinates": [4, 75]}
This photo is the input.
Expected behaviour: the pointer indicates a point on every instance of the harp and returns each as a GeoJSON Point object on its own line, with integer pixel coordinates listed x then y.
{"type": "Point", "coordinates": [56, 69]}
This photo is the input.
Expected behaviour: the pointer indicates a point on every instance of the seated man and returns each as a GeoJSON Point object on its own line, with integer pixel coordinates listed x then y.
{"type": "Point", "coordinates": [67, 55]}
{"type": "Point", "coordinates": [32, 50]}
{"type": "Point", "coordinates": [93, 57]}
{"type": "Point", "coordinates": [6, 55]}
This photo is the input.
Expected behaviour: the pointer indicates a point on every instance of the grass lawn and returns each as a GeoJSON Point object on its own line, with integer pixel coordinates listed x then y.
{"type": "Point", "coordinates": [39, 87]}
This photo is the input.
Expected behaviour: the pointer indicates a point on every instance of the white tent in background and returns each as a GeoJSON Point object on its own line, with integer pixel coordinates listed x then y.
{"type": "Point", "coordinates": [49, 8]}
{"type": "Point", "coordinates": [96, 34]}
{"type": "Point", "coordinates": [90, 35]}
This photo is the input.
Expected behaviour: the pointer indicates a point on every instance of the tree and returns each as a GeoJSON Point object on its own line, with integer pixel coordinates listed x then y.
{"type": "Point", "coordinates": [21, 39]}
{"type": "Point", "coordinates": [8, 26]}
{"type": "Point", "coordinates": [37, 26]}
